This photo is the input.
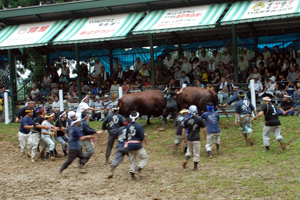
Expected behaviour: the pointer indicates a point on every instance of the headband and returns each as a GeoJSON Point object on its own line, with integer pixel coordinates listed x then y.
{"type": "Point", "coordinates": [40, 110]}
{"type": "Point", "coordinates": [266, 99]}
{"type": "Point", "coordinates": [62, 114]}
{"type": "Point", "coordinates": [84, 98]}
{"type": "Point", "coordinates": [28, 111]}
{"type": "Point", "coordinates": [133, 118]}
{"type": "Point", "coordinates": [115, 108]}
{"type": "Point", "coordinates": [235, 86]}
{"type": "Point", "coordinates": [242, 95]}
{"type": "Point", "coordinates": [48, 116]}
{"type": "Point", "coordinates": [210, 108]}
{"type": "Point", "coordinates": [287, 96]}
{"type": "Point", "coordinates": [74, 122]}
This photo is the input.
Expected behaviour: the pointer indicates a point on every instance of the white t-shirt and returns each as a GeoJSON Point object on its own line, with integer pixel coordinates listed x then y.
{"type": "Point", "coordinates": [55, 105]}
{"type": "Point", "coordinates": [243, 65]}
{"type": "Point", "coordinates": [81, 108]}
{"type": "Point", "coordinates": [137, 66]}
{"type": "Point", "coordinates": [98, 105]}
{"type": "Point", "coordinates": [257, 86]}
{"type": "Point", "coordinates": [169, 63]}
{"type": "Point", "coordinates": [226, 59]}
{"type": "Point", "coordinates": [186, 67]}
{"type": "Point", "coordinates": [247, 57]}
{"type": "Point", "coordinates": [45, 123]}
{"type": "Point", "coordinates": [205, 58]}
{"type": "Point", "coordinates": [34, 92]}
{"type": "Point", "coordinates": [97, 68]}
{"type": "Point", "coordinates": [114, 88]}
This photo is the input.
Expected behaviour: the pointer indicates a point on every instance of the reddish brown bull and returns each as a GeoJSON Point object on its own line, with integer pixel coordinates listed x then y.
{"type": "Point", "coordinates": [150, 103]}
{"type": "Point", "coordinates": [198, 97]}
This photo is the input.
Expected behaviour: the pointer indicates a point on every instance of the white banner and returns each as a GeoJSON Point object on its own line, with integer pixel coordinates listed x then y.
{"type": "Point", "coordinates": [28, 34]}
{"type": "Point", "coordinates": [100, 27]}
{"type": "Point", "coordinates": [182, 17]}
{"type": "Point", "coordinates": [269, 7]}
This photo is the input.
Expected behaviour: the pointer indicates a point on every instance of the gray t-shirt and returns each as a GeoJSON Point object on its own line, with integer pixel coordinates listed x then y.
{"type": "Point", "coordinates": [46, 123]}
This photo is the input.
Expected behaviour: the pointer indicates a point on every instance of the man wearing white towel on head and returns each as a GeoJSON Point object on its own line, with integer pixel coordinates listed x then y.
{"type": "Point", "coordinates": [84, 107]}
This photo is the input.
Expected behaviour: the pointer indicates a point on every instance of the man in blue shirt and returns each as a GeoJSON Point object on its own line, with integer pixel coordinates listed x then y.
{"type": "Point", "coordinates": [235, 96]}
{"type": "Point", "coordinates": [121, 151]}
{"type": "Point", "coordinates": [24, 131]}
{"type": "Point", "coordinates": [243, 110]}
{"type": "Point", "coordinates": [184, 78]}
{"type": "Point", "coordinates": [87, 130]}
{"type": "Point", "coordinates": [75, 134]}
{"type": "Point", "coordinates": [136, 135]}
{"type": "Point", "coordinates": [112, 123]}
{"type": "Point", "coordinates": [212, 126]}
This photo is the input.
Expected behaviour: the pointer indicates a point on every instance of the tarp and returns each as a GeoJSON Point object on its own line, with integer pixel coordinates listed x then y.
{"type": "Point", "coordinates": [30, 35]}
{"type": "Point", "coordinates": [100, 28]}
{"type": "Point", "coordinates": [251, 11]}
{"type": "Point", "coordinates": [181, 19]}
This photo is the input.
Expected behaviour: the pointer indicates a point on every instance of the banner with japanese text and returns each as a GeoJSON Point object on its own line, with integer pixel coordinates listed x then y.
{"type": "Point", "coordinates": [30, 35]}
{"type": "Point", "coordinates": [99, 28]}
{"type": "Point", "coordinates": [248, 11]}
{"type": "Point", "coordinates": [177, 19]}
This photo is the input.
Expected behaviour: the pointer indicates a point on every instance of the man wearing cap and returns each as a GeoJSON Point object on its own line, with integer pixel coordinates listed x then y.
{"type": "Point", "coordinates": [25, 130]}
{"type": "Point", "coordinates": [179, 122]}
{"type": "Point", "coordinates": [22, 113]}
{"type": "Point", "coordinates": [286, 107]}
{"type": "Point", "coordinates": [75, 134]}
{"type": "Point", "coordinates": [213, 129]}
{"type": "Point", "coordinates": [121, 151]}
{"type": "Point", "coordinates": [135, 136]}
{"type": "Point", "coordinates": [87, 130]}
{"type": "Point", "coordinates": [246, 55]}
{"type": "Point", "coordinates": [243, 66]}
{"type": "Point", "coordinates": [226, 58]}
{"type": "Point", "coordinates": [112, 123]}
{"type": "Point", "coordinates": [243, 110]}
{"type": "Point", "coordinates": [84, 107]}
{"type": "Point", "coordinates": [257, 86]}
{"type": "Point", "coordinates": [46, 135]}
{"type": "Point", "coordinates": [171, 105]}
{"type": "Point", "coordinates": [97, 69]}
{"type": "Point", "coordinates": [193, 126]}
{"type": "Point", "coordinates": [272, 124]}
{"type": "Point", "coordinates": [61, 134]}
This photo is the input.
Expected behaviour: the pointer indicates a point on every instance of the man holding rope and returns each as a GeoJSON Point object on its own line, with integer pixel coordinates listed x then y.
{"type": "Point", "coordinates": [272, 124]}
{"type": "Point", "coordinates": [243, 112]}
{"type": "Point", "coordinates": [84, 107]}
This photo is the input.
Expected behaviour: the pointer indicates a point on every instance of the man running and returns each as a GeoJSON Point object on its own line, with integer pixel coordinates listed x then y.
{"type": "Point", "coordinates": [171, 105]}
{"type": "Point", "coordinates": [24, 131]}
{"type": "Point", "coordinates": [121, 151]}
{"type": "Point", "coordinates": [75, 134]}
{"type": "Point", "coordinates": [112, 123]}
{"type": "Point", "coordinates": [61, 135]}
{"type": "Point", "coordinates": [193, 125]}
{"type": "Point", "coordinates": [243, 110]}
{"type": "Point", "coordinates": [136, 135]}
{"type": "Point", "coordinates": [22, 111]}
{"type": "Point", "coordinates": [87, 130]}
{"type": "Point", "coordinates": [213, 129]}
{"type": "Point", "coordinates": [272, 124]}
{"type": "Point", "coordinates": [179, 122]}
{"type": "Point", "coordinates": [46, 135]}
{"type": "Point", "coordinates": [235, 96]}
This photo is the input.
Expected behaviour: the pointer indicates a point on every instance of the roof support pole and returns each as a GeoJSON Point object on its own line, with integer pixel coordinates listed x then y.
{"type": "Point", "coordinates": [234, 48]}
{"type": "Point", "coordinates": [78, 69]}
{"type": "Point", "coordinates": [13, 81]}
{"type": "Point", "coordinates": [152, 60]}
{"type": "Point", "coordinates": [111, 60]}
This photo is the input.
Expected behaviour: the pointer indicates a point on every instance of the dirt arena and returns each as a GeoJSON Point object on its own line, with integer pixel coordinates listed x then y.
{"type": "Point", "coordinates": [239, 173]}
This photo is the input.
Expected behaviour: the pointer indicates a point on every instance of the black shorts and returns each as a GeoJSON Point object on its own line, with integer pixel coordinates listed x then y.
{"type": "Point", "coordinates": [168, 110]}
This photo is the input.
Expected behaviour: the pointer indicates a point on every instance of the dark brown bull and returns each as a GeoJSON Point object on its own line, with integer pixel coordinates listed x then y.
{"type": "Point", "coordinates": [150, 103]}
{"type": "Point", "coordinates": [198, 97]}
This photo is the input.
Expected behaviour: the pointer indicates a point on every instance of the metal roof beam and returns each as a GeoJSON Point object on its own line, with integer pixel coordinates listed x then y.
{"type": "Point", "coordinates": [73, 15]}
{"type": "Point", "coordinates": [108, 9]}
{"type": "Point", "coordinates": [37, 17]}
{"type": "Point", "coordinates": [64, 7]}
{"type": "Point", "coordinates": [146, 5]}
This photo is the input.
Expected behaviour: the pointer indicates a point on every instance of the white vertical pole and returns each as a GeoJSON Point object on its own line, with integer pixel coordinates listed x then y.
{"type": "Point", "coordinates": [252, 90]}
{"type": "Point", "coordinates": [6, 107]}
{"type": "Point", "coordinates": [120, 92]}
{"type": "Point", "coordinates": [183, 85]}
{"type": "Point", "coordinates": [61, 100]}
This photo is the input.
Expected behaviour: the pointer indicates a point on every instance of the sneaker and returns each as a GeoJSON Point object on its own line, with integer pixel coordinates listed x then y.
{"type": "Point", "coordinates": [282, 145]}
{"type": "Point", "coordinates": [184, 165]}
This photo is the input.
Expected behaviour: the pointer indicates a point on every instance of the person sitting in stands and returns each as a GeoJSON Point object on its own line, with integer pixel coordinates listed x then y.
{"type": "Point", "coordinates": [104, 90]}
{"type": "Point", "coordinates": [95, 91]}
{"type": "Point", "coordinates": [204, 75]}
{"type": "Point", "coordinates": [63, 79]}
{"type": "Point", "coordinates": [286, 107]}
{"type": "Point", "coordinates": [73, 90]}
{"type": "Point", "coordinates": [44, 90]}
{"type": "Point", "coordinates": [143, 74]}
{"type": "Point", "coordinates": [199, 84]}
{"type": "Point", "coordinates": [210, 86]}
{"type": "Point", "coordinates": [135, 86]}
{"type": "Point", "coordinates": [47, 80]}
{"type": "Point", "coordinates": [223, 90]}
{"type": "Point", "coordinates": [55, 90]}
{"type": "Point", "coordinates": [197, 72]}
{"type": "Point", "coordinates": [125, 87]}
{"type": "Point", "coordinates": [184, 78]}
{"type": "Point", "coordinates": [114, 88]}
{"type": "Point", "coordinates": [35, 93]}
{"type": "Point", "coordinates": [148, 83]}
